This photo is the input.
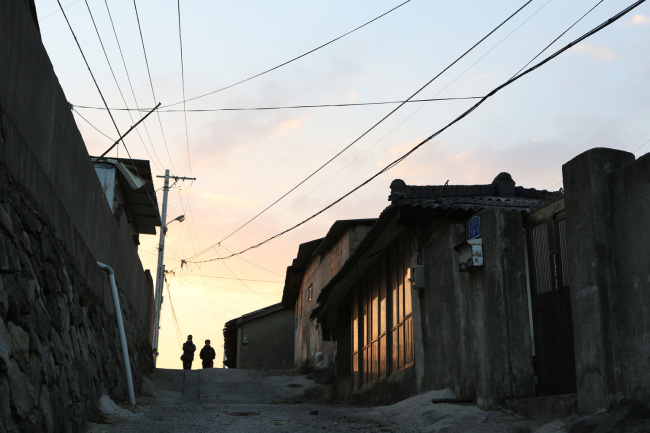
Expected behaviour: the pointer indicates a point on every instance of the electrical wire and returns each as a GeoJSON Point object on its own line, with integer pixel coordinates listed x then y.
{"type": "Point", "coordinates": [297, 202]}
{"type": "Point", "coordinates": [144, 50]}
{"type": "Point", "coordinates": [243, 283]}
{"type": "Point", "coordinates": [128, 77]}
{"type": "Point", "coordinates": [556, 39]}
{"type": "Point", "coordinates": [180, 38]}
{"type": "Point", "coordinates": [371, 128]}
{"type": "Point", "coordinates": [456, 120]}
{"type": "Point", "coordinates": [115, 79]}
{"type": "Point", "coordinates": [177, 328]}
{"type": "Point", "coordinates": [91, 72]}
{"type": "Point", "coordinates": [93, 126]}
{"type": "Point", "coordinates": [287, 107]}
{"type": "Point", "coordinates": [288, 61]}
{"type": "Point", "coordinates": [242, 279]}
{"type": "Point", "coordinates": [100, 93]}
{"type": "Point", "coordinates": [640, 147]}
{"type": "Point", "coordinates": [57, 11]}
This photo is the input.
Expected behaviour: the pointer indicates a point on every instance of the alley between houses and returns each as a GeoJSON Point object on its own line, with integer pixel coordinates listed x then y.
{"type": "Point", "coordinates": [274, 401]}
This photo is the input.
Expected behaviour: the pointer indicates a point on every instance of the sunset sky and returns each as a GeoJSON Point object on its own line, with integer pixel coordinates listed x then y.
{"type": "Point", "coordinates": [594, 95]}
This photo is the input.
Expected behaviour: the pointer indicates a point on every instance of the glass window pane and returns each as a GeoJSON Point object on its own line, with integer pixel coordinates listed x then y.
{"type": "Point", "coordinates": [355, 370]}
{"type": "Point", "coordinates": [408, 307]}
{"type": "Point", "coordinates": [366, 322]}
{"type": "Point", "coordinates": [393, 269]}
{"type": "Point", "coordinates": [395, 364]}
{"type": "Point", "coordinates": [355, 323]}
{"type": "Point", "coordinates": [382, 356]}
{"type": "Point", "coordinates": [375, 360]}
{"type": "Point", "coordinates": [401, 346]}
{"type": "Point", "coordinates": [400, 290]}
{"type": "Point", "coordinates": [382, 297]}
{"type": "Point", "coordinates": [375, 308]}
{"type": "Point", "coordinates": [408, 339]}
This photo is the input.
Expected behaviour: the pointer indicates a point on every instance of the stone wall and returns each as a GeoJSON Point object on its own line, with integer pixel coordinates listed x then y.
{"type": "Point", "coordinates": [59, 346]}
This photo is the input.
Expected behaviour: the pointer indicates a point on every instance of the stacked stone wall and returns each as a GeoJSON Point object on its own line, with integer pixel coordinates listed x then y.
{"type": "Point", "coordinates": [59, 345]}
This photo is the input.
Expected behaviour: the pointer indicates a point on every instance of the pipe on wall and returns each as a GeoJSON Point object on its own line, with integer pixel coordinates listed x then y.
{"type": "Point", "coordinates": [120, 328]}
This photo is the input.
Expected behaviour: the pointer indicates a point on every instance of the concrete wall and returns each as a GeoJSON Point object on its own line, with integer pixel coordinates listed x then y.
{"type": "Point", "coordinates": [58, 341]}
{"type": "Point", "coordinates": [270, 342]}
{"type": "Point", "coordinates": [308, 334]}
{"type": "Point", "coordinates": [43, 150]}
{"type": "Point", "coordinates": [607, 207]}
{"type": "Point", "coordinates": [471, 328]}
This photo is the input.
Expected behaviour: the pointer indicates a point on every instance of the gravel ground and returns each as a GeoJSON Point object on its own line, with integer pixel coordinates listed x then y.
{"type": "Point", "coordinates": [262, 401]}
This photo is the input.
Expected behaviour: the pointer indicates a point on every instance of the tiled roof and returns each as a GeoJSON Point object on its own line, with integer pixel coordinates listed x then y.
{"type": "Point", "coordinates": [501, 195]}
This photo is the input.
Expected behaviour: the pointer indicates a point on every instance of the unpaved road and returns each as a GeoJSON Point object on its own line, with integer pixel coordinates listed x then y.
{"type": "Point", "coordinates": [222, 400]}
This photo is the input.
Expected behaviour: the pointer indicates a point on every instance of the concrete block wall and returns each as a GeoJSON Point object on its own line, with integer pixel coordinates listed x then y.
{"type": "Point", "coordinates": [44, 152]}
{"type": "Point", "coordinates": [607, 197]}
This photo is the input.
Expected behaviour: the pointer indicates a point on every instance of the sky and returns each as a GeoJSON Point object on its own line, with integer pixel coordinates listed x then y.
{"type": "Point", "coordinates": [596, 94]}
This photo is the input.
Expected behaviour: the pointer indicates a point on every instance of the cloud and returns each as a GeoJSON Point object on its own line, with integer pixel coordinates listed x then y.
{"type": "Point", "coordinates": [352, 94]}
{"type": "Point", "coordinates": [596, 52]}
{"type": "Point", "coordinates": [285, 127]}
{"type": "Point", "coordinates": [640, 20]}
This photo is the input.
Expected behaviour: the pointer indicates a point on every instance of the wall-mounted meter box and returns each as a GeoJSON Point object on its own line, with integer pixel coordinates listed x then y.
{"type": "Point", "coordinates": [416, 277]}
{"type": "Point", "coordinates": [470, 255]}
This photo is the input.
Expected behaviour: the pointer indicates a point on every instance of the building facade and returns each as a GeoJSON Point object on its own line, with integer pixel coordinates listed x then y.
{"type": "Point", "coordinates": [316, 263]}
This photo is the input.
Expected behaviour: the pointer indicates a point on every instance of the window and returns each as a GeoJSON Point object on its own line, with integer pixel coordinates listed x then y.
{"type": "Point", "coordinates": [381, 316]}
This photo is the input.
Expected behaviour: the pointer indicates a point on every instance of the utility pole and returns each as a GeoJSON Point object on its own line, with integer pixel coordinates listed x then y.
{"type": "Point", "coordinates": [160, 273]}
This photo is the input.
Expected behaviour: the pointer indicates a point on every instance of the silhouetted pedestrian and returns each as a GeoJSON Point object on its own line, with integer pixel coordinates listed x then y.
{"type": "Point", "coordinates": [207, 355]}
{"type": "Point", "coordinates": [188, 353]}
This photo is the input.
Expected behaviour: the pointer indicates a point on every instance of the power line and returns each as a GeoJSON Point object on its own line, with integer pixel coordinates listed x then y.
{"type": "Point", "coordinates": [144, 50]}
{"type": "Point", "coordinates": [177, 328]}
{"type": "Point", "coordinates": [289, 61]}
{"type": "Point", "coordinates": [56, 12]}
{"type": "Point", "coordinates": [242, 279]}
{"type": "Point", "coordinates": [180, 38]}
{"type": "Point", "coordinates": [640, 147]}
{"type": "Point", "coordinates": [88, 122]}
{"type": "Point", "coordinates": [403, 121]}
{"type": "Point", "coordinates": [456, 120]}
{"type": "Point", "coordinates": [114, 77]}
{"type": "Point", "coordinates": [288, 107]}
{"type": "Point", "coordinates": [128, 77]}
{"type": "Point", "coordinates": [556, 39]}
{"type": "Point", "coordinates": [371, 128]}
{"type": "Point", "coordinates": [91, 72]}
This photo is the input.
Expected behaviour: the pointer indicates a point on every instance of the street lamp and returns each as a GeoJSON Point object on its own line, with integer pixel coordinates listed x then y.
{"type": "Point", "coordinates": [160, 276]}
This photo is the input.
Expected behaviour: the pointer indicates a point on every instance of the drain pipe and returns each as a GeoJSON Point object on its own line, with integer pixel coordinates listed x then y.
{"type": "Point", "coordinates": [120, 328]}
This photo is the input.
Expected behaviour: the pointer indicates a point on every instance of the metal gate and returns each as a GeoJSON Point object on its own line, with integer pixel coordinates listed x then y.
{"type": "Point", "coordinates": [554, 360]}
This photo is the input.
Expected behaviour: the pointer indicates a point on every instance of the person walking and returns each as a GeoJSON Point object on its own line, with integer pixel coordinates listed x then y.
{"type": "Point", "coordinates": [207, 355]}
{"type": "Point", "coordinates": [188, 353]}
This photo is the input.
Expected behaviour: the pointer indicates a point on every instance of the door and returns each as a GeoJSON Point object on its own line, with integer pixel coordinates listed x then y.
{"type": "Point", "coordinates": [554, 360]}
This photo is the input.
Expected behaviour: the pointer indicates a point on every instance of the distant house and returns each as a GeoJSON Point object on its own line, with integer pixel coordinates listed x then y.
{"type": "Point", "coordinates": [129, 189]}
{"type": "Point", "coordinates": [435, 296]}
{"type": "Point", "coordinates": [316, 263]}
{"type": "Point", "coordinates": [262, 339]}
